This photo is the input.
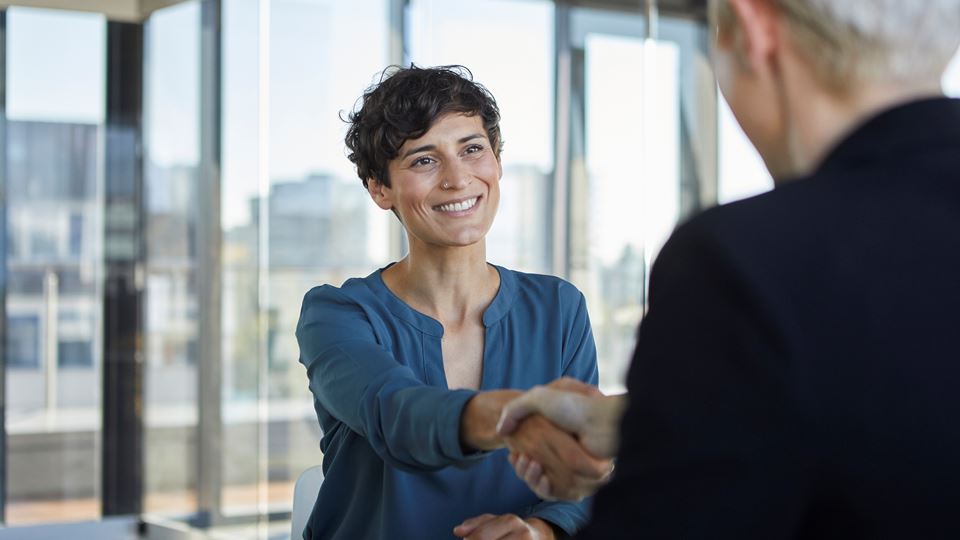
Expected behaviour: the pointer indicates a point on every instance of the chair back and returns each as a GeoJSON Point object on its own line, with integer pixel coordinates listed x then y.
{"type": "Point", "coordinates": [304, 497]}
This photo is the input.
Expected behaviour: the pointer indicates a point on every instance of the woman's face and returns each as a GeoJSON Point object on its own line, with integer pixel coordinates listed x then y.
{"type": "Point", "coordinates": [445, 185]}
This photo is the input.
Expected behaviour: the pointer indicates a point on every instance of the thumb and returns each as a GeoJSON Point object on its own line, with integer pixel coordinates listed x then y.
{"type": "Point", "coordinates": [515, 411]}
{"type": "Point", "coordinates": [565, 409]}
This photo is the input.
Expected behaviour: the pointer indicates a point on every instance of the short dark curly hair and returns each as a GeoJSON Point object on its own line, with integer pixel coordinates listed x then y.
{"type": "Point", "coordinates": [404, 104]}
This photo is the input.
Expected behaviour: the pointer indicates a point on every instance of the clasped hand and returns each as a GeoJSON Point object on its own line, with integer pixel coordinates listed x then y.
{"type": "Point", "coordinates": [562, 438]}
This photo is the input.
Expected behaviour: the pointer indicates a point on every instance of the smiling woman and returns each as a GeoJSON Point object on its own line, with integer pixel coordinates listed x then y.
{"type": "Point", "coordinates": [407, 366]}
{"type": "Point", "coordinates": [446, 176]}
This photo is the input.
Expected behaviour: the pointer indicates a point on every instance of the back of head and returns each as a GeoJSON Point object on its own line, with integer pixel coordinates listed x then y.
{"type": "Point", "coordinates": [866, 41]}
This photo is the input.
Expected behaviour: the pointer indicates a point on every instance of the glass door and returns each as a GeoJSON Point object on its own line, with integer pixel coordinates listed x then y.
{"type": "Point", "coordinates": [642, 141]}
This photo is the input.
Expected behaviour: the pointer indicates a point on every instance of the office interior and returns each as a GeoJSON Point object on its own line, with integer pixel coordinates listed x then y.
{"type": "Point", "coordinates": [173, 179]}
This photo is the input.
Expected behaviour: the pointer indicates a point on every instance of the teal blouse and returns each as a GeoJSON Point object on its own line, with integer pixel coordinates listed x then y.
{"type": "Point", "coordinates": [392, 459]}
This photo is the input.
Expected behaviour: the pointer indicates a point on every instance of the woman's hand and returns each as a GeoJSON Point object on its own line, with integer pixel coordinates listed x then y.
{"type": "Point", "coordinates": [553, 463]}
{"type": "Point", "coordinates": [578, 408]}
{"type": "Point", "coordinates": [478, 421]}
{"type": "Point", "coordinates": [570, 464]}
{"type": "Point", "coordinates": [504, 527]}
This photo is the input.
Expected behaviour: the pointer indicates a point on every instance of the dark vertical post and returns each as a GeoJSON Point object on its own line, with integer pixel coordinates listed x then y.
{"type": "Point", "coordinates": [124, 252]}
{"type": "Point", "coordinates": [3, 266]}
{"type": "Point", "coordinates": [209, 233]}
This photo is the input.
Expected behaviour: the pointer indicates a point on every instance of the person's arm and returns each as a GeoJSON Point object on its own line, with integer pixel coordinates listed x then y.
{"type": "Point", "coordinates": [410, 425]}
{"type": "Point", "coordinates": [712, 444]}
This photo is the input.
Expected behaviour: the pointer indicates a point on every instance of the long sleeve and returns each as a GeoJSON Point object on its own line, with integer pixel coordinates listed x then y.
{"type": "Point", "coordinates": [410, 425]}
{"type": "Point", "coordinates": [580, 362]}
{"type": "Point", "coordinates": [711, 442]}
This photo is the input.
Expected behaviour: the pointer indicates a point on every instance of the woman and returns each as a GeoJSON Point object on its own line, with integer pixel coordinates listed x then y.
{"type": "Point", "coordinates": [405, 364]}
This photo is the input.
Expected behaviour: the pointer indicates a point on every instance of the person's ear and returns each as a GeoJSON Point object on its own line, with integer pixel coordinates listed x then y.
{"type": "Point", "coordinates": [381, 194]}
{"type": "Point", "coordinates": [757, 32]}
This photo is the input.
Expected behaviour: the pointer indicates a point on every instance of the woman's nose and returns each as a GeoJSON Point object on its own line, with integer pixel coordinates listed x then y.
{"type": "Point", "coordinates": [455, 176]}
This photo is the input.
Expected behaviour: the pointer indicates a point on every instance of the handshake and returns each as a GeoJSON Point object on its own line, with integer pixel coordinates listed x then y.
{"type": "Point", "coordinates": [562, 438]}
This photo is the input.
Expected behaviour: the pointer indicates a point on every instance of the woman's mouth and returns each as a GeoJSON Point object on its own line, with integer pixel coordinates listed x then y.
{"type": "Point", "coordinates": [458, 207]}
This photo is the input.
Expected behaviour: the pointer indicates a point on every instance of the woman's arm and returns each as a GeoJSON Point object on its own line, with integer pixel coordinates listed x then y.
{"type": "Point", "coordinates": [410, 425]}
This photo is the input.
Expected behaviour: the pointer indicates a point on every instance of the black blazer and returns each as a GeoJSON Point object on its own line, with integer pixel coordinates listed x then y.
{"type": "Point", "coordinates": [798, 373]}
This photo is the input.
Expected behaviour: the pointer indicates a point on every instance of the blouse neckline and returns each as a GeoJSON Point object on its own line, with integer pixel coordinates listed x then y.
{"type": "Point", "coordinates": [498, 308]}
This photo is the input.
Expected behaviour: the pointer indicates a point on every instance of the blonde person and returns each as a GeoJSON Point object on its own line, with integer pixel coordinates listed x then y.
{"type": "Point", "coordinates": [796, 375]}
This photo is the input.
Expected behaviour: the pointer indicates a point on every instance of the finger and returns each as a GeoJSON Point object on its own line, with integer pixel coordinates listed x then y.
{"type": "Point", "coordinates": [468, 526]}
{"type": "Point", "coordinates": [536, 479]}
{"type": "Point", "coordinates": [581, 462]}
{"type": "Point", "coordinates": [512, 458]}
{"type": "Point", "coordinates": [567, 410]}
{"type": "Point", "coordinates": [521, 466]}
{"type": "Point", "coordinates": [571, 470]}
{"type": "Point", "coordinates": [573, 473]}
{"type": "Point", "coordinates": [550, 460]}
{"type": "Point", "coordinates": [533, 473]}
{"type": "Point", "coordinates": [543, 489]}
{"type": "Point", "coordinates": [516, 410]}
{"type": "Point", "coordinates": [538, 400]}
{"type": "Point", "coordinates": [498, 528]}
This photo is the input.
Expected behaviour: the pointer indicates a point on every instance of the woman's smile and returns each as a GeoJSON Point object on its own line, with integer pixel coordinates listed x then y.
{"type": "Point", "coordinates": [459, 207]}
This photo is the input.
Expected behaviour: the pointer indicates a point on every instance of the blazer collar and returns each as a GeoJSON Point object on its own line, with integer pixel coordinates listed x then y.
{"type": "Point", "coordinates": [903, 129]}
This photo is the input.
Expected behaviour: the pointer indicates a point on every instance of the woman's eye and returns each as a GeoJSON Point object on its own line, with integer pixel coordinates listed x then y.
{"type": "Point", "coordinates": [420, 162]}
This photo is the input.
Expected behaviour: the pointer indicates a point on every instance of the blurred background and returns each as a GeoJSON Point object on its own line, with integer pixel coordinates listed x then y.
{"type": "Point", "coordinates": [173, 179]}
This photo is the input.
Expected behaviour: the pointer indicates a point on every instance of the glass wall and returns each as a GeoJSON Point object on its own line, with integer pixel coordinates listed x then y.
{"type": "Point", "coordinates": [55, 112]}
{"type": "Point", "coordinates": [444, 32]}
{"type": "Point", "coordinates": [171, 176]}
{"type": "Point", "coordinates": [241, 334]}
{"type": "Point", "coordinates": [295, 216]}
{"type": "Point", "coordinates": [643, 168]}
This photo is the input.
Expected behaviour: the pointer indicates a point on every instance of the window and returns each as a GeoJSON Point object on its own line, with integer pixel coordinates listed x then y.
{"type": "Point", "coordinates": [76, 234]}
{"type": "Point", "coordinates": [171, 162]}
{"type": "Point", "coordinates": [56, 96]}
{"type": "Point", "coordinates": [23, 341]}
{"type": "Point", "coordinates": [75, 354]}
{"type": "Point", "coordinates": [294, 215]}
{"type": "Point", "coordinates": [440, 34]}
{"type": "Point", "coordinates": [639, 163]}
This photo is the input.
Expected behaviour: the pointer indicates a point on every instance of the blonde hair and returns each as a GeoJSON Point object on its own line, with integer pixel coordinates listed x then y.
{"type": "Point", "coordinates": [867, 40]}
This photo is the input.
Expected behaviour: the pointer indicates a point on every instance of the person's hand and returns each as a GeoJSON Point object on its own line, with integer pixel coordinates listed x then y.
{"type": "Point", "coordinates": [503, 527]}
{"type": "Point", "coordinates": [478, 421]}
{"type": "Point", "coordinates": [553, 463]}
{"type": "Point", "coordinates": [575, 407]}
